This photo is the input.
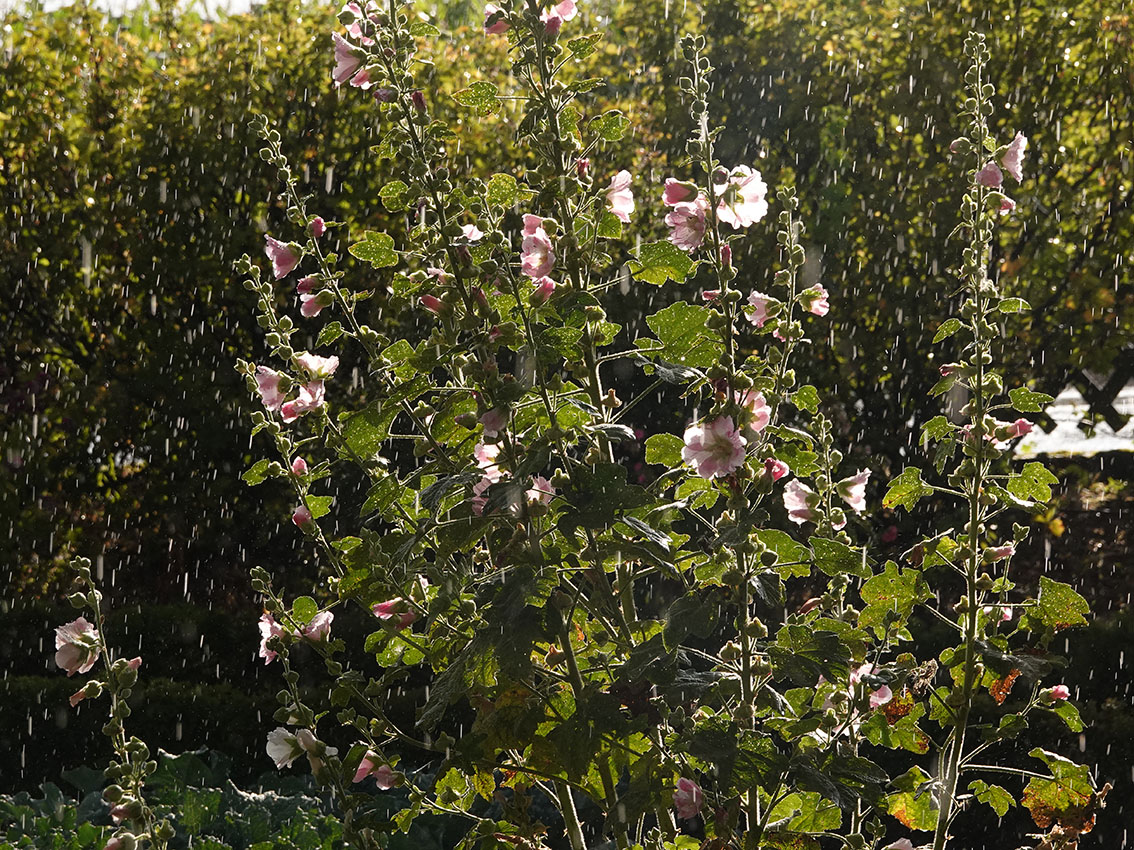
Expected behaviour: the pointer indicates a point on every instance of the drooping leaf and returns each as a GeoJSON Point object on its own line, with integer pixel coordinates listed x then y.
{"type": "Point", "coordinates": [947, 329]}
{"type": "Point", "coordinates": [992, 795]}
{"type": "Point", "coordinates": [837, 558]}
{"type": "Point", "coordinates": [664, 449]}
{"type": "Point", "coordinates": [1058, 606]}
{"type": "Point", "coordinates": [1067, 799]}
{"type": "Point", "coordinates": [1032, 482]}
{"type": "Point", "coordinates": [906, 489]}
{"type": "Point", "coordinates": [1027, 401]}
{"type": "Point", "coordinates": [684, 337]}
{"type": "Point", "coordinates": [658, 262]}
{"type": "Point", "coordinates": [481, 96]}
{"type": "Point", "coordinates": [912, 804]}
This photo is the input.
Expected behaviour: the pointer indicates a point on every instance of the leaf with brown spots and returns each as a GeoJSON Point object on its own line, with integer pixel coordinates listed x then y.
{"type": "Point", "coordinates": [1001, 687]}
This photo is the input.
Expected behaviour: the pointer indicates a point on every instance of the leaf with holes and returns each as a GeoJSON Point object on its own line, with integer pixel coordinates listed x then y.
{"type": "Point", "coordinates": [1033, 482]}
{"type": "Point", "coordinates": [502, 190]}
{"type": "Point", "coordinates": [376, 249]}
{"type": "Point", "coordinates": [658, 262]}
{"type": "Point", "coordinates": [1026, 401]}
{"type": "Point", "coordinates": [993, 795]}
{"type": "Point", "coordinates": [906, 489]}
{"type": "Point", "coordinates": [610, 126]}
{"type": "Point", "coordinates": [481, 96]}
{"type": "Point", "coordinates": [947, 329]}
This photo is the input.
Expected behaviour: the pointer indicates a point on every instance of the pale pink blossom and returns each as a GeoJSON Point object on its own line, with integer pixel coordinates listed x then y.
{"type": "Point", "coordinates": [1059, 692]}
{"type": "Point", "coordinates": [115, 843]}
{"type": "Point", "coordinates": [990, 176]}
{"type": "Point", "coordinates": [900, 844]}
{"type": "Point", "coordinates": [119, 812]}
{"type": "Point", "coordinates": [317, 226]}
{"type": "Point", "coordinates": [301, 516]}
{"type": "Point", "coordinates": [312, 304]}
{"type": "Point", "coordinates": [878, 697]}
{"type": "Point", "coordinates": [999, 553]}
{"type": "Point", "coordinates": [269, 628]}
{"type": "Point", "coordinates": [299, 466]}
{"type": "Point", "coordinates": [687, 223]}
{"type": "Point", "coordinates": [501, 25]}
{"type": "Point", "coordinates": [758, 315]}
{"type": "Point", "coordinates": [775, 468]}
{"type": "Point", "coordinates": [384, 775]}
{"type": "Point", "coordinates": [554, 17]}
{"type": "Point", "coordinates": [479, 500]}
{"type": "Point", "coordinates": [284, 256]}
{"type": "Point", "coordinates": [362, 80]}
{"type": "Point", "coordinates": [743, 198]}
{"type": "Point", "coordinates": [486, 455]}
{"type": "Point", "coordinates": [537, 255]}
{"type": "Point", "coordinates": [494, 421]}
{"type": "Point", "coordinates": [678, 192]}
{"type": "Point", "coordinates": [90, 689]}
{"type": "Point", "coordinates": [348, 60]}
{"type": "Point", "coordinates": [353, 28]}
{"type": "Point", "coordinates": [311, 397]}
{"type": "Point", "coordinates": [472, 233]}
{"type": "Point", "coordinates": [688, 799]}
{"type": "Point", "coordinates": [760, 413]}
{"type": "Point", "coordinates": [714, 449]}
{"type": "Point", "coordinates": [1013, 159]}
{"type": "Point", "coordinates": [619, 196]}
{"type": "Point", "coordinates": [319, 367]}
{"type": "Point", "coordinates": [726, 256]}
{"type": "Point", "coordinates": [307, 284]}
{"type": "Point", "coordinates": [76, 645]}
{"type": "Point", "coordinates": [1004, 612]}
{"type": "Point", "coordinates": [417, 98]}
{"type": "Point", "coordinates": [319, 629]}
{"type": "Point", "coordinates": [815, 301]}
{"type": "Point", "coordinates": [541, 491]}
{"type": "Point", "coordinates": [801, 502]}
{"type": "Point", "coordinates": [853, 490]}
{"type": "Point", "coordinates": [283, 747]}
{"type": "Point", "coordinates": [710, 295]}
{"type": "Point", "coordinates": [434, 304]}
{"type": "Point", "coordinates": [1020, 428]}
{"type": "Point", "coordinates": [544, 289]}
{"type": "Point", "coordinates": [394, 610]}
{"type": "Point", "coordinates": [1007, 205]}
{"type": "Point", "coordinates": [268, 386]}
{"type": "Point", "coordinates": [135, 663]}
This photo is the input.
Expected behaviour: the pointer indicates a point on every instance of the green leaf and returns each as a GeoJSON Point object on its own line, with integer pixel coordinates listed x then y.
{"type": "Point", "coordinates": [993, 795]}
{"type": "Point", "coordinates": [1026, 401]}
{"type": "Point", "coordinates": [685, 339]}
{"type": "Point", "coordinates": [502, 190]}
{"type": "Point", "coordinates": [799, 460]}
{"type": "Point", "coordinates": [584, 46]}
{"type": "Point", "coordinates": [792, 558]}
{"type": "Point", "coordinates": [1067, 798]}
{"type": "Point", "coordinates": [319, 505]}
{"type": "Point", "coordinates": [365, 431]}
{"type": "Point", "coordinates": [481, 96]}
{"type": "Point", "coordinates": [376, 249]}
{"type": "Point", "coordinates": [664, 449]}
{"type": "Point", "coordinates": [422, 30]}
{"type": "Point", "coordinates": [906, 489]}
{"type": "Point", "coordinates": [803, 654]}
{"type": "Point", "coordinates": [947, 329]}
{"type": "Point", "coordinates": [936, 428]}
{"type": "Point", "coordinates": [256, 473]}
{"type": "Point", "coordinates": [912, 804]}
{"type": "Point", "coordinates": [585, 85]}
{"type": "Point", "coordinates": [695, 613]}
{"type": "Point", "coordinates": [393, 195]}
{"type": "Point", "coordinates": [304, 608]}
{"type": "Point", "coordinates": [836, 558]}
{"type": "Point", "coordinates": [329, 334]}
{"type": "Point", "coordinates": [610, 226]}
{"type": "Point", "coordinates": [1069, 714]}
{"type": "Point", "coordinates": [658, 262]}
{"type": "Point", "coordinates": [892, 590]}
{"type": "Point", "coordinates": [806, 398]}
{"type": "Point", "coordinates": [610, 126]}
{"type": "Point", "coordinates": [1058, 606]}
{"type": "Point", "coordinates": [1032, 482]}
{"type": "Point", "coordinates": [1013, 305]}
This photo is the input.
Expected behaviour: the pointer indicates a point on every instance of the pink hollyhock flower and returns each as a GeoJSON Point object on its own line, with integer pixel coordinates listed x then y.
{"type": "Point", "coordinates": [1020, 428]}
{"type": "Point", "coordinates": [268, 386]}
{"type": "Point", "coordinates": [890, 534]}
{"type": "Point", "coordinates": [900, 844]}
{"type": "Point", "coordinates": [434, 304]}
{"type": "Point", "coordinates": [307, 284]}
{"type": "Point", "coordinates": [479, 500]}
{"type": "Point", "coordinates": [726, 256]}
{"type": "Point", "coordinates": [679, 192]}
{"type": "Point", "coordinates": [311, 305]}
{"type": "Point", "coordinates": [116, 843]}
{"type": "Point", "coordinates": [710, 295]}
{"type": "Point", "coordinates": [1059, 692]}
{"type": "Point", "coordinates": [76, 645]}
{"type": "Point", "coordinates": [1013, 159]}
{"type": "Point", "coordinates": [319, 367]}
{"type": "Point", "coordinates": [714, 449]}
{"type": "Point", "coordinates": [554, 17]}
{"type": "Point", "coordinates": [384, 776]}
{"type": "Point", "coordinates": [349, 16]}
{"type": "Point", "coordinates": [90, 689]}
{"type": "Point", "coordinates": [775, 468]}
{"type": "Point", "coordinates": [318, 227]}
{"type": "Point", "coordinates": [541, 491]}
{"type": "Point", "coordinates": [299, 466]}
{"type": "Point", "coordinates": [384, 95]}
{"type": "Point", "coordinates": [311, 397]}
{"type": "Point", "coordinates": [688, 799]}
{"type": "Point", "coordinates": [990, 176]}
{"type": "Point", "coordinates": [348, 59]}
{"type": "Point", "coordinates": [757, 407]}
{"type": "Point", "coordinates": [284, 256]}
{"type": "Point", "coordinates": [418, 101]}
{"type": "Point", "coordinates": [687, 223]}
{"type": "Point", "coordinates": [486, 455]}
{"type": "Point", "coordinates": [853, 490]}
{"type": "Point", "coordinates": [801, 502]}
{"type": "Point", "coordinates": [759, 313]}
{"type": "Point", "coordinates": [1007, 205]}
{"type": "Point", "coordinates": [537, 256]}
{"type": "Point", "coordinates": [301, 516]}
{"type": "Point", "coordinates": [815, 301]}
{"type": "Point", "coordinates": [619, 196]}
{"type": "Point", "coordinates": [544, 288]}
{"type": "Point", "coordinates": [582, 167]}
{"type": "Point", "coordinates": [319, 628]}
{"type": "Point", "coordinates": [394, 610]}
{"type": "Point", "coordinates": [472, 233]}
{"type": "Point", "coordinates": [494, 421]}
{"type": "Point", "coordinates": [499, 25]}
{"type": "Point", "coordinates": [877, 698]}
{"type": "Point", "coordinates": [1004, 611]}
{"type": "Point", "coordinates": [119, 813]}
{"type": "Point", "coordinates": [269, 628]}
{"type": "Point", "coordinates": [743, 199]}
{"type": "Point", "coordinates": [999, 553]}
{"type": "Point", "coordinates": [283, 747]}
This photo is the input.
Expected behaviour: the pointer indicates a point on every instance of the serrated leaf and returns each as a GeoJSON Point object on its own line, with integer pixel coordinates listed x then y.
{"type": "Point", "coordinates": [1032, 482]}
{"type": "Point", "coordinates": [799, 460]}
{"type": "Point", "coordinates": [329, 334]}
{"type": "Point", "coordinates": [256, 473]}
{"type": "Point", "coordinates": [936, 428]}
{"type": "Point", "coordinates": [892, 590]}
{"type": "Point", "coordinates": [501, 190]}
{"type": "Point", "coordinates": [684, 336]}
{"type": "Point", "coordinates": [319, 505]}
{"type": "Point", "coordinates": [912, 804]}
{"type": "Point", "coordinates": [1013, 305]}
{"type": "Point", "coordinates": [610, 126]}
{"type": "Point", "coordinates": [421, 29]}
{"type": "Point", "coordinates": [658, 262]}
{"type": "Point", "coordinates": [1058, 606]}
{"type": "Point", "coordinates": [792, 557]}
{"type": "Point", "coordinates": [610, 226]}
{"type": "Point", "coordinates": [1066, 799]}
{"type": "Point", "coordinates": [806, 398]}
{"type": "Point", "coordinates": [376, 249]}
{"type": "Point", "coordinates": [584, 46]}
{"type": "Point", "coordinates": [304, 608]}
{"type": "Point", "coordinates": [836, 558]}
{"type": "Point", "coordinates": [664, 449]}
{"type": "Point", "coordinates": [906, 489]}
{"type": "Point", "coordinates": [481, 96]}
{"type": "Point", "coordinates": [1027, 401]}
{"type": "Point", "coordinates": [393, 195]}
{"type": "Point", "coordinates": [947, 329]}
{"type": "Point", "coordinates": [588, 84]}
{"type": "Point", "coordinates": [992, 795]}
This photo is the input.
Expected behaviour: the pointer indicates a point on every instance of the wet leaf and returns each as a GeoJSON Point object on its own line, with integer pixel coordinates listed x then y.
{"type": "Point", "coordinates": [658, 262]}
{"type": "Point", "coordinates": [481, 96]}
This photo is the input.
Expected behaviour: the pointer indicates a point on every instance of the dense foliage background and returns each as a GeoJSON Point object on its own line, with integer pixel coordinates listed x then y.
{"type": "Point", "coordinates": [128, 184]}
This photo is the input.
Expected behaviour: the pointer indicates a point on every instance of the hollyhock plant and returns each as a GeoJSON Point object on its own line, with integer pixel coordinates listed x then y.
{"type": "Point", "coordinates": [301, 516]}
{"type": "Point", "coordinates": [348, 61]}
{"type": "Point", "coordinates": [814, 300]}
{"type": "Point", "coordinates": [679, 192]}
{"type": "Point", "coordinates": [619, 197]}
{"type": "Point", "coordinates": [742, 198]}
{"type": "Point", "coordinates": [759, 411]}
{"type": "Point", "coordinates": [317, 227]}
{"type": "Point", "coordinates": [714, 449]}
{"type": "Point", "coordinates": [990, 176]}
{"type": "Point", "coordinates": [268, 386]}
{"type": "Point", "coordinates": [319, 628]}
{"type": "Point", "coordinates": [319, 368]}
{"type": "Point", "coordinates": [269, 629]}
{"type": "Point", "coordinates": [311, 397]}
{"type": "Point", "coordinates": [494, 421]}
{"type": "Point", "coordinates": [554, 17]}
{"type": "Point", "coordinates": [775, 468]}
{"type": "Point", "coordinates": [472, 233]}
{"type": "Point", "coordinates": [760, 302]}
{"type": "Point", "coordinates": [537, 255]}
{"type": "Point", "coordinates": [687, 224]}
{"type": "Point", "coordinates": [486, 455]}
{"type": "Point", "coordinates": [77, 646]}
{"type": "Point", "coordinates": [283, 747]}
{"type": "Point", "coordinates": [688, 799]}
{"type": "Point", "coordinates": [541, 294]}
{"type": "Point", "coordinates": [801, 502]}
{"type": "Point", "coordinates": [1013, 159]}
{"type": "Point", "coordinates": [541, 491]}
{"type": "Point", "coordinates": [299, 466]}
{"type": "Point", "coordinates": [852, 490]}
{"type": "Point", "coordinates": [1058, 692]}
{"type": "Point", "coordinates": [384, 776]}
{"type": "Point", "coordinates": [284, 256]}
{"type": "Point", "coordinates": [879, 696]}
